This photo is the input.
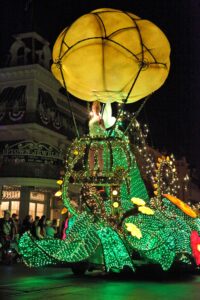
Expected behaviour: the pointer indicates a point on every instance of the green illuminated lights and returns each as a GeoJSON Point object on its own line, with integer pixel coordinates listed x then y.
{"type": "Point", "coordinates": [116, 215]}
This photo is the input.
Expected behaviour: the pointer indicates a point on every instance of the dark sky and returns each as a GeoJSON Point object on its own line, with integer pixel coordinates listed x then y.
{"type": "Point", "coordinates": [172, 113]}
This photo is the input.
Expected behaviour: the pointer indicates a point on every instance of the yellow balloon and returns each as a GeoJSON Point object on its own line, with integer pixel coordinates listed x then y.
{"type": "Point", "coordinates": [111, 55]}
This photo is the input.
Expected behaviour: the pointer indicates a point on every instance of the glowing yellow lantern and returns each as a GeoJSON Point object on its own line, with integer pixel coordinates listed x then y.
{"type": "Point", "coordinates": [59, 181]}
{"type": "Point", "coordinates": [115, 204]}
{"type": "Point", "coordinates": [111, 55]}
{"type": "Point", "coordinates": [58, 193]}
{"type": "Point", "coordinates": [75, 152]}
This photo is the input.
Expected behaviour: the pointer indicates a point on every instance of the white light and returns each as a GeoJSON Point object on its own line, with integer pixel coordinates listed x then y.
{"type": "Point", "coordinates": [115, 192]}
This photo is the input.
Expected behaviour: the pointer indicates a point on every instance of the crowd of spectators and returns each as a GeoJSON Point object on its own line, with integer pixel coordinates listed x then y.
{"type": "Point", "coordinates": [12, 228]}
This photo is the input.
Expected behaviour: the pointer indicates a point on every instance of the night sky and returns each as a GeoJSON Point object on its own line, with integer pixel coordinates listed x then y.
{"type": "Point", "coordinates": [172, 113]}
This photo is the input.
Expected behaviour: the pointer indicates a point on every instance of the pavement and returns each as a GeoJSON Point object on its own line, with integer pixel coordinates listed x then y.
{"type": "Point", "coordinates": [19, 282]}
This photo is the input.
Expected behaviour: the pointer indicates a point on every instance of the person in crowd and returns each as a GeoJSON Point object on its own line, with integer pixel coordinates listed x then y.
{"type": "Point", "coordinates": [7, 228]}
{"type": "Point", "coordinates": [64, 226]}
{"type": "Point", "coordinates": [96, 130]}
{"type": "Point", "coordinates": [34, 226]}
{"type": "Point", "coordinates": [17, 226]}
{"type": "Point", "coordinates": [55, 225]}
{"type": "Point", "coordinates": [50, 230]}
{"type": "Point", "coordinates": [7, 235]}
{"type": "Point", "coordinates": [27, 224]}
{"type": "Point", "coordinates": [40, 228]}
{"type": "Point", "coordinates": [67, 224]}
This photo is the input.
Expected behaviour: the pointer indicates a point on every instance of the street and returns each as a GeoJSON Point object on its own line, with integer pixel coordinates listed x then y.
{"type": "Point", "coordinates": [20, 282]}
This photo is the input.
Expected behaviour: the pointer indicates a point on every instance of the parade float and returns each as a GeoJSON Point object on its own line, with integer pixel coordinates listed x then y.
{"type": "Point", "coordinates": [111, 56]}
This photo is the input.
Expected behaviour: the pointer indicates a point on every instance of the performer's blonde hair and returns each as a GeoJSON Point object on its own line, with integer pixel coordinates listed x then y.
{"type": "Point", "coordinates": [96, 104]}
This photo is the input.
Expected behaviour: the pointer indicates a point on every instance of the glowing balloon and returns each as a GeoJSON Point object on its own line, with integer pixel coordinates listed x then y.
{"type": "Point", "coordinates": [111, 55]}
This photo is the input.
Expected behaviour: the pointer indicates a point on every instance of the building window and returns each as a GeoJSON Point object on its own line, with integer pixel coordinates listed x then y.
{"type": "Point", "coordinates": [39, 209]}
{"type": "Point", "coordinates": [37, 204]}
{"type": "Point", "coordinates": [4, 206]}
{"type": "Point", "coordinates": [37, 196]}
{"type": "Point", "coordinates": [11, 194]}
{"type": "Point", "coordinates": [36, 209]}
{"type": "Point", "coordinates": [32, 206]}
{"type": "Point", "coordinates": [14, 207]}
{"type": "Point", "coordinates": [10, 199]}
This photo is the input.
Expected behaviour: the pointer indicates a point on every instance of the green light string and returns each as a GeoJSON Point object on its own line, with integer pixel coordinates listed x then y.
{"type": "Point", "coordinates": [81, 242]}
{"type": "Point", "coordinates": [165, 235]}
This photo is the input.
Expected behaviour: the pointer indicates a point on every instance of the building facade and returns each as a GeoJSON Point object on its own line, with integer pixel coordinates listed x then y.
{"type": "Point", "coordinates": [36, 129]}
